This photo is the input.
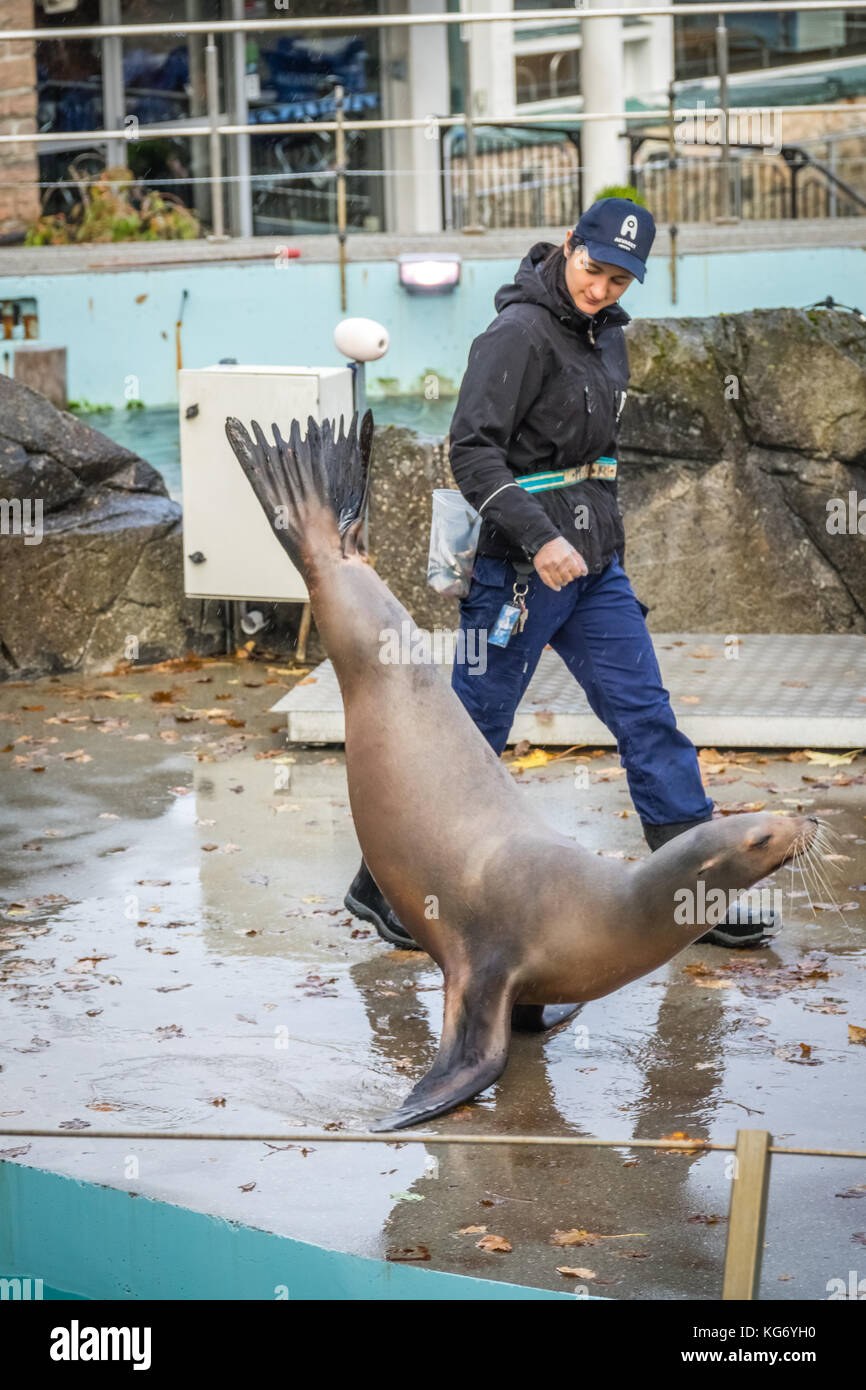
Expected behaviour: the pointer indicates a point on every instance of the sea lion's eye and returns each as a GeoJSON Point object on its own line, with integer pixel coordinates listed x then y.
{"type": "Point", "coordinates": [759, 844]}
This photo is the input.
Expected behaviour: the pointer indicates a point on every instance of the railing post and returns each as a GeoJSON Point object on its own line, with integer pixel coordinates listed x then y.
{"type": "Point", "coordinates": [747, 1214]}
{"type": "Point", "coordinates": [340, 166]}
{"type": "Point", "coordinates": [722, 65]}
{"type": "Point", "coordinates": [673, 201]}
{"type": "Point", "coordinates": [216, 169]}
{"type": "Point", "coordinates": [471, 223]}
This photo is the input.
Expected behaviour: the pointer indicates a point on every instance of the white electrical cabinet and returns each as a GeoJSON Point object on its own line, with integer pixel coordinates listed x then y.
{"type": "Point", "coordinates": [229, 548]}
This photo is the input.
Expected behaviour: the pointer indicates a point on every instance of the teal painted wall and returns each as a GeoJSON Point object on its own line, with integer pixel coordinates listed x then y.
{"type": "Point", "coordinates": [266, 314]}
{"type": "Point", "coordinates": [101, 1242]}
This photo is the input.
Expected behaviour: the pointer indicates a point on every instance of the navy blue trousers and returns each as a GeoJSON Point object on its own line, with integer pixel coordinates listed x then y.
{"type": "Point", "coordinates": [597, 625]}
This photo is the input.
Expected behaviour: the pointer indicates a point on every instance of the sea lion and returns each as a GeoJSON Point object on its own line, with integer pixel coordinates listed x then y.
{"type": "Point", "coordinates": [523, 922]}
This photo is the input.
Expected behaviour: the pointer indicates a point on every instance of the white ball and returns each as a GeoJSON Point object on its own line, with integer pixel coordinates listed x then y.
{"type": "Point", "coordinates": [362, 340]}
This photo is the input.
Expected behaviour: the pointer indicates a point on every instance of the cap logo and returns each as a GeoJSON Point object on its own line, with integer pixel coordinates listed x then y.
{"type": "Point", "coordinates": [629, 227]}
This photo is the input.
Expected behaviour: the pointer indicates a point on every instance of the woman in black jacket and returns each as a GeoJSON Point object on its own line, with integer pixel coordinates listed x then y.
{"type": "Point", "coordinates": [533, 448]}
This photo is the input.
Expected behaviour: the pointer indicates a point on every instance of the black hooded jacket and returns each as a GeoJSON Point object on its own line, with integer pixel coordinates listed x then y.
{"type": "Point", "coordinates": [543, 390]}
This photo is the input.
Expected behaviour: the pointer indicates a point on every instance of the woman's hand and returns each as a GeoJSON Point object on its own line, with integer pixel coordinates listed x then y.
{"type": "Point", "coordinates": [558, 563]}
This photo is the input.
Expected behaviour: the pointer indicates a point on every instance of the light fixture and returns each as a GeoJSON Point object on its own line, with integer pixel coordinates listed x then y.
{"type": "Point", "coordinates": [429, 273]}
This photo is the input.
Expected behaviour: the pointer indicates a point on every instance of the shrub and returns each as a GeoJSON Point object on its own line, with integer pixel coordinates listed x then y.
{"type": "Point", "coordinates": [116, 208]}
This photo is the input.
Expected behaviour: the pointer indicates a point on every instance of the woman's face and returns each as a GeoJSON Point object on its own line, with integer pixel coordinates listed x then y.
{"type": "Point", "coordinates": [593, 285]}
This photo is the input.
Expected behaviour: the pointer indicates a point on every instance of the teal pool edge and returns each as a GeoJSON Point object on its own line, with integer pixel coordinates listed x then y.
{"type": "Point", "coordinates": [97, 1242]}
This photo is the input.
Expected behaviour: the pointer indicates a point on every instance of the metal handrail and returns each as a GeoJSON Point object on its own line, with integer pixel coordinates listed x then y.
{"type": "Point", "coordinates": [396, 21]}
{"type": "Point", "coordinates": [799, 159]}
{"type": "Point", "coordinates": [747, 1212]}
{"type": "Point", "coordinates": [400, 1136]}
{"type": "Point", "coordinates": [405, 123]}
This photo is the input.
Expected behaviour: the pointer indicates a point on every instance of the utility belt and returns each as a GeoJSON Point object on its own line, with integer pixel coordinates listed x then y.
{"type": "Point", "coordinates": [540, 482]}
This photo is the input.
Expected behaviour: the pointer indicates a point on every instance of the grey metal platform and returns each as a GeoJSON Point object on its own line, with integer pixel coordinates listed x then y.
{"type": "Point", "coordinates": [779, 692]}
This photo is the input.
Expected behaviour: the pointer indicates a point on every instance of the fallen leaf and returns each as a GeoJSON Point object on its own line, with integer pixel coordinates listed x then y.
{"type": "Point", "coordinates": [497, 1243]}
{"type": "Point", "coordinates": [574, 1237]}
{"type": "Point", "coordinates": [171, 1030]}
{"type": "Point", "coordinates": [537, 758]}
{"type": "Point", "coordinates": [825, 759]}
{"type": "Point", "coordinates": [681, 1135]}
{"type": "Point", "coordinates": [575, 1273]}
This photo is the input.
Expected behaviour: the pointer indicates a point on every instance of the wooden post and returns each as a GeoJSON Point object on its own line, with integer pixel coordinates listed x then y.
{"type": "Point", "coordinates": [747, 1214]}
{"type": "Point", "coordinates": [303, 634]}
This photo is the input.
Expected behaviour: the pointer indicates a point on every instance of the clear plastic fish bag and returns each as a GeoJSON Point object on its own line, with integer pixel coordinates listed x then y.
{"type": "Point", "coordinates": [453, 542]}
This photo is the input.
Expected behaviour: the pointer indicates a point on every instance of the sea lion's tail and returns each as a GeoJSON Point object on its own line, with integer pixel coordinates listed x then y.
{"type": "Point", "coordinates": [314, 491]}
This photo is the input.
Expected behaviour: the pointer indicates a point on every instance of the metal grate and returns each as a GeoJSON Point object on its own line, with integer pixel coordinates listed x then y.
{"type": "Point", "coordinates": [779, 691]}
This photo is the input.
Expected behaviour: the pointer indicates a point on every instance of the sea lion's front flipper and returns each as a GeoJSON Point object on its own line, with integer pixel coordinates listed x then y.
{"type": "Point", "coordinates": [472, 1053]}
{"type": "Point", "coordinates": [539, 1018]}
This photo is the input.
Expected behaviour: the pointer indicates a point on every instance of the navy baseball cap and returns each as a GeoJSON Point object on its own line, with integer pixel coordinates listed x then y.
{"type": "Point", "coordinates": [620, 232]}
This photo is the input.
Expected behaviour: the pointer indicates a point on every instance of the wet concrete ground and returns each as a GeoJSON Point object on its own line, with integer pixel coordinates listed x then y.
{"type": "Point", "coordinates": [174, 954]}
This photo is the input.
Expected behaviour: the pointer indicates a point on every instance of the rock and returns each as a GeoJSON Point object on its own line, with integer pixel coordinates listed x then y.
{"type": "Point", "coordinates": [722, 549]}
{"type": "Point", "coordinates": [803, 381]}
{"type": "Point", "coordinates": [677, 403]}
{"type": "Point", "coordinates": [103, 564]}
{"type": "Point", "coordinates": [739, 433]}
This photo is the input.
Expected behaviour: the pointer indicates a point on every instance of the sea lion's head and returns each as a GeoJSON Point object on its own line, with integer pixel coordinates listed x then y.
{"type": "Point", "coordinates": [733, 852]}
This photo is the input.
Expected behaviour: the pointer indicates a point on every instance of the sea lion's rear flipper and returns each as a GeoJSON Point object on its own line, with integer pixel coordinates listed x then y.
{"type": "Point", "coordinates": [472, 1053]}
{"type": "Point", "coordinates": [313, 491]}
{"type": "Point", "coordinates": [539, 1018]}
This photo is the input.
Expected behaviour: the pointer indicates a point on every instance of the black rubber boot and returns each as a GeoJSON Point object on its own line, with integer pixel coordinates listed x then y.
{"type": "Point", "coordinates": [740, 926]}
{"type": "Point", "coordinates": [365, 900]}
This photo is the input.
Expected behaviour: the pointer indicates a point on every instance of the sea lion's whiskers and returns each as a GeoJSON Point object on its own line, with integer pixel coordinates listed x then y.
{"type": "Point", "coordinates": [821, 881]}
{"type": "Point", "coordinates": [801, 863]}
{"type": "Point", "coordinates": [827, 891]}
{"type": "Point", "coordinates": [829, 835]}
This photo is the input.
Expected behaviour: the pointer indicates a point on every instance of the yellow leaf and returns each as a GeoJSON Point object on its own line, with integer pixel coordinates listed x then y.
{"type": "Point", "coordinates": [833, 759]}
{"type": "Point", "coordinates": [575, 1237]}
{"type": "Point", "coordinates": [537, 758]}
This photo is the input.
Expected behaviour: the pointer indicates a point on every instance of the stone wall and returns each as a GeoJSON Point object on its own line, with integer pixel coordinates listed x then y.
{"type": "Point", "coordinates": [19, 165]}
